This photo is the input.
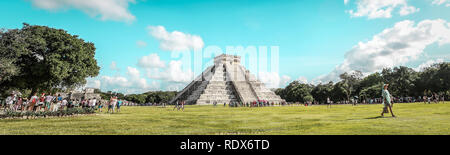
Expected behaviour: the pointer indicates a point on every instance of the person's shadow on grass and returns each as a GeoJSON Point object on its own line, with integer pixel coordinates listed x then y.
{"type": "Point", "coordinates": [376, 117]}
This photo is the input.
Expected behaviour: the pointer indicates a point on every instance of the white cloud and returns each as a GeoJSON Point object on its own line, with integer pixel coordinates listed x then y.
{"type": "Point", "coordinates": [141, 43]}
{"type": "Point", "coordinates": [135, 78]}
{"type": "Point", "coordinates": [132, 83]}
{"type": "Point", "coordinates": [116, 10]}
{"type": "Point", "coordinates": [440, 2]}
{"type": "Point", "coordinates": [285, 80]}
{"type": "Point", "coordinates": [381, 8]}
{"type": "Point", "coordinates": [157, 69]}
{"type": "Point", "coordinates": [93, 83]}
{"type": "Point", "coordinates": [346, 2]}
{"type": "Point", "coordinates": [151, 61]}
{"type": "Point", "coordinates": [270, 79]}
{"type": "Point", "coordinates": [133, 72]}
{"type": "Point", "coordinates": [273, 80]}
{"type": "Point", "coordinates": [426, 64]}
{"type": "Point", "coordinates": [172, 73]}
{"type": "Point", "coordinates": [394, 46]}
{"type": "Point", "coordinates": [175, 41]}
{"type": "Point", "coordinates": [114, 82]}
{"type": "Point", "coordinates": [302, 79]}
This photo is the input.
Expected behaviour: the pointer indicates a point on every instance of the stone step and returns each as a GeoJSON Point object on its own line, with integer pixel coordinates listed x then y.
{"type": "Point", "coordinates": [220, 102]}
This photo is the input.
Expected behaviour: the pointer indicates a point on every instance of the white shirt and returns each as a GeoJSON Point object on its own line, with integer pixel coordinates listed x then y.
{"type": "Point", "coordinates": [64, 102]}
{"type": "Point", "coordinates": [94, 101]}
{"type": "Point", "coordinates": [10, 100]}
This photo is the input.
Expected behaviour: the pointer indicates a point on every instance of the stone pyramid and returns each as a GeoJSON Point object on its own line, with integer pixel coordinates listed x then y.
{"type": "Point", "coordinates": [224, 82]}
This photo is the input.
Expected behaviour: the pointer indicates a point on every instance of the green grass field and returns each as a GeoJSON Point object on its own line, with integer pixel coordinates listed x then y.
{"type": "Point", "coordinates": [414, 118]}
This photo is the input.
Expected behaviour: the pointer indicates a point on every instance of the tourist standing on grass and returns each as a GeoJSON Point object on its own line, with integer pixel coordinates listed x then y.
{"type": "Point", "coordinates": [109, 103]}
{"type": "Point", "coordinates": [40, 102]}
{"type": "Point", "coordinates": [328, 102]}
{"type": "Point", "coordinates": [436, 98]}
{"type": "Point", "coordinates": [34, 99]}
{"type": "Point", "coordinates": [100, 106]}
{"type": "Point", "coordinates": [57, 103]}
{"type": "Point", "coordinates": [182, 105]}
{"type": "Point", "coordinates": [119, 103]}
{"type": "Point", "coordinates": [114, 103]}
{"type": "Point", "coordinates": [84, 103]}
{"type": "Point", "coordinates": [10, 101]}
{"type": "Point", "coordinates": [48, 101]}
{"type": "Point", "coordinates": [176, 106]}
{"type": "Point", "coordinates": [387, 101]}
{"type": "Point", "coordinates": [18, 104]}
{"type": "Point", "coordinates": [88, 103]}
{"type": "Point", "coordinates": [24, 104]}
{"type": "Point", "coordinates": [53, 103]}
{"type": "Point", "coordinates": [94, 103]}
{"type": "Point", "coordinates": [70, 104]}
{"type": "Point", "coordinates": [64, 104]}
{"type": "Point", "coordinates": [179, 105]}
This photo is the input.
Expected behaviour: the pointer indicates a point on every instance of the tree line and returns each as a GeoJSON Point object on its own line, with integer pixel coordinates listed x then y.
{"type": "Point", "coordinates": [403, 81]}
{"type": "Point", "coordinates": [147, 97]}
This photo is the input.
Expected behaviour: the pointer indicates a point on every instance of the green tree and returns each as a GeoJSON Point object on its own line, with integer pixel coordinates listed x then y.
{"type": "Point", "coordinates": [434, 79]}
{"type": "Point", "coordinates": [308, 98]}
{"type": "Point", "coordinates": [296, 91]}
{"type": "Point", "coordinates": [338, 92]}
{"type": "Point", "coordinates": [8, 69]}
{"type": "Point", "coordinates": [349, 81]}
{"type": "Point", "coordinates": [322, 91]}
{"type": "Point", "coordinates": [47, 58]}
{"type": "Point", "coordinates": [373, 91]}
{"type": "Point", "coordinates": [401, 80]}
{"type": "Point", "coordinates": [368, 81]}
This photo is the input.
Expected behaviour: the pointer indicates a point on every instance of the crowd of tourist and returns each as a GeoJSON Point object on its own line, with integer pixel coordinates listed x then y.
{"type": "Point", "coordinates": [56, 102]}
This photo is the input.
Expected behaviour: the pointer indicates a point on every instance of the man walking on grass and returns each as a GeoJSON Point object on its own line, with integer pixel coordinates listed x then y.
{"type": "Point", "coordinates": [176, 106]}
{"type": "Point", "coordinates": [387, 102]}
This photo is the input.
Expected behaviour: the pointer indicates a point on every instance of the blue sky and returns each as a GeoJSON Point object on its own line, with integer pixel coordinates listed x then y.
{"type": "Point", "coordinates": [317, 39]}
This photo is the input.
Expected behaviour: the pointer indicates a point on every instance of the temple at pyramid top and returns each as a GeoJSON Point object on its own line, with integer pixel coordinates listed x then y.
{"type": "Point", "coordinates": [225, 82]}
{"type": "Point", "coordinates": [229, 59]}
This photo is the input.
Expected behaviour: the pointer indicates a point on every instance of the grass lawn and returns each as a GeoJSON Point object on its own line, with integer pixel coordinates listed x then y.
{"type": "Point", "coordinates": [413, 118]}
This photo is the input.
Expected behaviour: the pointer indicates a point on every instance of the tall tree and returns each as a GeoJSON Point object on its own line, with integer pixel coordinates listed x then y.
{"type": "Point", "coordinates": [322, 91]}
{"type": "Point", "coordinates": [368, 81]}
{"type": "Point", "coordinates": [435, 78]}
{"type": "Point", "coordinates": [349, 80]}
{"type": "Point", "coordinates": [47, 58]}
{"type": "Point", "coordinates": [401, 80]}
{"type": "Point", "coordinates": [338, 93]}
{"type": "Point", "coordinates": [296, 91]}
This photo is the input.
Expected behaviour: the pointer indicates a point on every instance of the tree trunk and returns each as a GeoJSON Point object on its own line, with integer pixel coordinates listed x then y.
{"type": "Point", "coordinates": [33, 91]}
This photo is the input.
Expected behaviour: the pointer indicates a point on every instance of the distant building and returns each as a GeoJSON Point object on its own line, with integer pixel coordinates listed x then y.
{"type": "Point", "coordinates": [87, 93]}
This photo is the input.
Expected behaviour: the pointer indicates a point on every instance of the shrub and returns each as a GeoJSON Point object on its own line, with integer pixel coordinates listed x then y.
{"type": "Point", "coordinates": [28, 114]}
